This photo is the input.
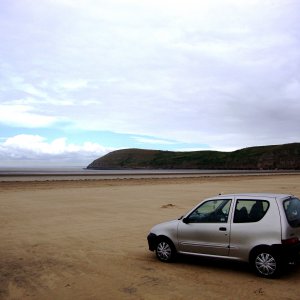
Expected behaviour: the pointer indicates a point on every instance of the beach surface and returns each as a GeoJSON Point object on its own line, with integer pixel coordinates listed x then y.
{"type": "Point", "coordinates": [86, 239]}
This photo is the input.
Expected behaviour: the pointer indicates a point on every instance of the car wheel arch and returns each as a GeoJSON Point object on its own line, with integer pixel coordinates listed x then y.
{"type": "Point", "coordinates": [160, 238]}
{"type": "Point", "coordinates": [262, 247]}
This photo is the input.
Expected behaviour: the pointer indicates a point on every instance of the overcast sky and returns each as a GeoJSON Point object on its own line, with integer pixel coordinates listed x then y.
{"type": "Point", "coordinates": [80, 78]}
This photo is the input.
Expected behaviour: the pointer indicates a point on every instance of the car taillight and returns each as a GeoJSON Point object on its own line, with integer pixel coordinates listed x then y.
{"type": "Point", "coordinates": [290, 241]}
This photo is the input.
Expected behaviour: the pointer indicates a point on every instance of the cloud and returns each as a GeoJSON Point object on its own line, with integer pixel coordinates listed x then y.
{"type": "Point", "coordinates": [35, 147]}
{"type": "Point", "coordinates": [292, 90]}
{"type": "Point", "coordinates": [74, 84]}
{"type": "Point", "coordinates": [24, 116]}
{"type": "Point", "coordinates": [152, 141]}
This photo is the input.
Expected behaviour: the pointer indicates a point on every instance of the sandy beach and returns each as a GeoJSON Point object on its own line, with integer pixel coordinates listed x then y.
{"type": "Point", "coordinates": [86, 239]}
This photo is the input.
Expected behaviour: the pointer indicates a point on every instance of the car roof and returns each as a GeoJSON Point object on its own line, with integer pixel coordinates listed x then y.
{"type": "Point", "coordinates": [257, 195]}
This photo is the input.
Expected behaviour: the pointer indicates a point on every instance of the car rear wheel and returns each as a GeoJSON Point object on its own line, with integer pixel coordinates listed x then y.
{"type": "Point", "coordinates": [266, 264]}
{"type": "Point", "coordinates": [165, 250]}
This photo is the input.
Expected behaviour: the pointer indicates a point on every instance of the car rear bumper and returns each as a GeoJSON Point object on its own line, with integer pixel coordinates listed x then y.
{"type": "Point", "coordinates": [289, 253]}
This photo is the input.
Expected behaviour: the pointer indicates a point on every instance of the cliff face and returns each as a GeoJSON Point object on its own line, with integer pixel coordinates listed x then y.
{"type": "Point", "coordinates": [286, 157]}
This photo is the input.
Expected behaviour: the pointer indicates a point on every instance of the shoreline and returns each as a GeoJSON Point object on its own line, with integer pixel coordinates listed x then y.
{"type": "Point", "coordinates": [65, 183]}
{"type": "Point", "coordinates": [135, 175]}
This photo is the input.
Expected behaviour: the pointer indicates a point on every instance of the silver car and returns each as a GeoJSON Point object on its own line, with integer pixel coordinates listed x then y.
{"type": "Point", "coordinates": [262, 229]}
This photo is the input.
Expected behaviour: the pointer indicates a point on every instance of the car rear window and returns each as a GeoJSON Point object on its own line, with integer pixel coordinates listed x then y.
{"type": "Point", "coordinates": [292, 211]}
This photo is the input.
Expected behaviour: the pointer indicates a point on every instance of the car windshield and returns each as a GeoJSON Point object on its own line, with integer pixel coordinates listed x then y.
{"type": "Point", "coordinates": [292, 211]}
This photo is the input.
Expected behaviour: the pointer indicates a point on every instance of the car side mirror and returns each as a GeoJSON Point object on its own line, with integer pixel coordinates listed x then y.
{"type": "Point", "coordinates": [186, 220]}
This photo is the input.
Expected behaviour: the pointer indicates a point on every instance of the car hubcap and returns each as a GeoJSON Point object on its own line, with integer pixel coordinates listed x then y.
{"type": "Point", "coordinates": [164, 251]}
{"type": "Point", "coordinates": [265, 264]}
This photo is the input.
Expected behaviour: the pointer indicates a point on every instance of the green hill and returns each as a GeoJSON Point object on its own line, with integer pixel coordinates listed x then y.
{"type": "Point", "coordinates": [286, 157]}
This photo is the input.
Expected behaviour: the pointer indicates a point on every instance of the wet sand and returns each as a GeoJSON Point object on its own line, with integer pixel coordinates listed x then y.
{"type": "Point", "coordinates": [86, 239]}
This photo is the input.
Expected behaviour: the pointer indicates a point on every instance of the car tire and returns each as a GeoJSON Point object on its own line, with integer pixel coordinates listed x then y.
{"type": "Point", "coordinates": [266, 263]}
{"type": "Point", "coordinates": [165, 250]}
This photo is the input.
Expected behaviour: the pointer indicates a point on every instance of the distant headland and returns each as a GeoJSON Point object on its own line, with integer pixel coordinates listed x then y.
{"type": "Point", "coordinates": [273, 157]}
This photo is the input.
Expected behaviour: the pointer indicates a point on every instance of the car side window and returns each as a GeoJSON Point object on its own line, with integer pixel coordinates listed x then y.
{"type": "Point", "coordinates": [249, 211]}
{"type": "Point", "coordinates": [212, 211]}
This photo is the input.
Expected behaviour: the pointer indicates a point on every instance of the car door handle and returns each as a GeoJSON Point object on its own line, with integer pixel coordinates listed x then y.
{"type": "Point", "coordinates": [222, 228]}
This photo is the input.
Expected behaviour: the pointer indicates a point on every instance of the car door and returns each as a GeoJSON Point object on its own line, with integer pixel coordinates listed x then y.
{"type": "Point", "coordinates": [206, 230]}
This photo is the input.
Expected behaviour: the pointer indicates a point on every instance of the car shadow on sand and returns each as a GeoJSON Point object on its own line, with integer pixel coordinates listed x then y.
{"type": "Point", "coordinates": [216, 264]}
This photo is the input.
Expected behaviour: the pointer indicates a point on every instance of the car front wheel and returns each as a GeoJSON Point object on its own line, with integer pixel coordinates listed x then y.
{"type": "Point", "coordinates": [165, 250]}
